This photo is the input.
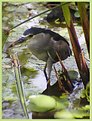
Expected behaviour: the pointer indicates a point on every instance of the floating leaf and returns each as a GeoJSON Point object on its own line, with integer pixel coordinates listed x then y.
{"type": "Point", "coordinates": [41, 103]}
{"type": "Point", "coordinates": [63, 115]}
{"type": "Point", "coordinates": [61, 103]}
{"type": "Point", "coordinates": [28, 72]}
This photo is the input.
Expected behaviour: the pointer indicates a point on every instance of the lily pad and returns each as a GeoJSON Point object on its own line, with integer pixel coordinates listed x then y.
{"type": "Point", "coordinates": [63, 115]}
{"type": "Point", "coordinates": [41, 103]}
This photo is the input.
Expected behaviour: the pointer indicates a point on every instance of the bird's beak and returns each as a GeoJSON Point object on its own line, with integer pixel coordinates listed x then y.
{"type": "Point", "coordinates": [21, 40]}
{"type": "Point", "coordinates": [8, 45]}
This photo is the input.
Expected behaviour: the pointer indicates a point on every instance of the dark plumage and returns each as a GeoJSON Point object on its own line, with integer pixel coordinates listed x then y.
{"type": "Point", "coordinates": [57, 13]}
{"type": "Point", "coordinates": [44, 44]}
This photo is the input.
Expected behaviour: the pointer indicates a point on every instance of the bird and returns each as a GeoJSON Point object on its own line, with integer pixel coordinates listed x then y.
{"type": "Point", "coordinates": [57, 14]}
{"type": "Point", "coordinates": [45, 44]}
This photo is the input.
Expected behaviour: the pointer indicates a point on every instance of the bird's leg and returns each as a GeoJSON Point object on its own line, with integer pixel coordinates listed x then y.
{"type": "Point", "coordinates": [47, 74]}
{"type": "Point", "coordinates": [47, 79]}
{"type": "Point", "coordinates": [49, 68]}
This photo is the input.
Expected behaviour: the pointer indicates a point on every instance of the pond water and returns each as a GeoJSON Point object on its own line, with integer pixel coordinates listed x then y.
{"type": "Point", "coordinates": [34, 82]}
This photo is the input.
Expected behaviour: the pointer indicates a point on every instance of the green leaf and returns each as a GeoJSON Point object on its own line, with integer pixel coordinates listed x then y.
{"type": "Point", "coordinates": [63, 115]}
{"type": "Point", "coordinates": [41, 103]}
{"type": "Point", "coordinates": [66, 13]}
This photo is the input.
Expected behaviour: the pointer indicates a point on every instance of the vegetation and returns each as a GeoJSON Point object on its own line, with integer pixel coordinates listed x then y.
{"type": "Point", "coordinates": [21, 83]}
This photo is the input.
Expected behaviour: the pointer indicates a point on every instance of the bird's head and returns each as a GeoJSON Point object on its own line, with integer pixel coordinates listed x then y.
{"type": "Point", "coordinates": [27, 35]}
{"type": "Point", "coordinates": [33, 31]}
